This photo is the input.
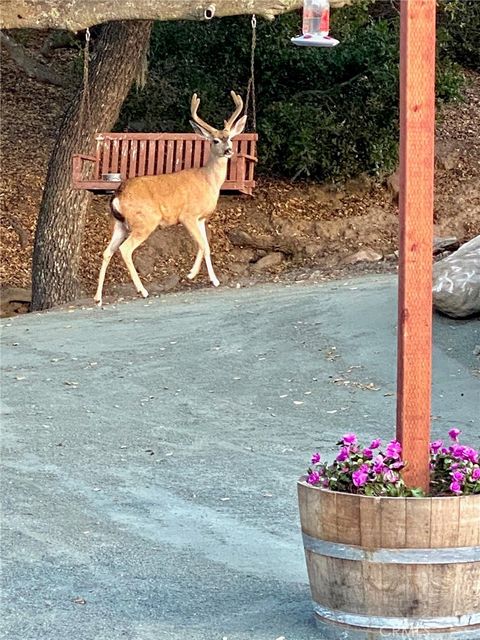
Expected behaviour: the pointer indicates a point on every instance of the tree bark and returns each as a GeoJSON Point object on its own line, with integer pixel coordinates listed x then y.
{"type": "Point", "coordinates": [79, 14]}
{"type": "Point", "coordinates": [32, 67]}
{"type": "Point", "coordinates": [119, 51]}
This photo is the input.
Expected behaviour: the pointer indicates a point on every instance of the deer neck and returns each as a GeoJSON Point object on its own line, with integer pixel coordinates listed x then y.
{"type": "Point", "coordinates": [215, 170]}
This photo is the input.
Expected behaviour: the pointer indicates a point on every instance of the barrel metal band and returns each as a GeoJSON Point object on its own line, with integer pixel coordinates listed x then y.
{"type": "Point", "coordinates": [446, 555]}
{"type": "Point", "coordinates": [411, 624]}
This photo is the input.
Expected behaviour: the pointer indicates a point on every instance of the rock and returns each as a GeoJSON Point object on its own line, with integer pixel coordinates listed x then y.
{"type": "Point", "coordinates": [360, 185]}
{"type": "Point", "coordinates": [170, 283]}
{"type": "Point", "coordinates": [393, 185]}
{"type": "Point", "coordinates": [239, 268]}
{"type": "Point", "coordinates": [456, 281]}
{"type": "Point", "coordinates": [447, 154]}
{"type": "Point", "coordinates": [364, 255]}
{"type": "Point", "coordinates": [269, 261]}
{"type": "Point", "coordinates": [14, 300]}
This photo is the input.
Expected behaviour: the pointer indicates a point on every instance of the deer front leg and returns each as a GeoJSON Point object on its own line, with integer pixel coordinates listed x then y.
{"type": "Point", "coordinates": [197, 230]}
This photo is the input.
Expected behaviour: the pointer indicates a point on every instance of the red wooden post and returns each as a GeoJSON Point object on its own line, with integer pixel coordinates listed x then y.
{"type": "Point", "coordinates": [417, 130]}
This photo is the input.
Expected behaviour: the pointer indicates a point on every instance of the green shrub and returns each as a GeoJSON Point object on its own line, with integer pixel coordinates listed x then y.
{"type": "Point", "coordinates": [460, 31]}
{"type": "Point", "coordinates": [321, 113]}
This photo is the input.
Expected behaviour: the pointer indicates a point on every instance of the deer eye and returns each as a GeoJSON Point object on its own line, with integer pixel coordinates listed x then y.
{"type": "Point", "coordinates": [216, 141]}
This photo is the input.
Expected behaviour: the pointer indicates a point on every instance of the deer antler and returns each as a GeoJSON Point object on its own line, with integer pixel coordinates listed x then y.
{"type": "Point", "coordinates": [239, 106]}
{"type": "Point", "coordinates": [194, 108]}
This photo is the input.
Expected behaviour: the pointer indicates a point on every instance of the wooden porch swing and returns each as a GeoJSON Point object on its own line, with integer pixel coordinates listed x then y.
{"type": "Point", "coordinates": [120, 156]}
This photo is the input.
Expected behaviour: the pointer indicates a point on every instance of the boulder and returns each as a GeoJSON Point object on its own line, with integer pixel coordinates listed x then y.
{"type": "Point", "coordinates": [456, 281]}
{"type": "Point", "coordinates": [270, 260]}
{"type": "Point", "coordinates": [364, 255]}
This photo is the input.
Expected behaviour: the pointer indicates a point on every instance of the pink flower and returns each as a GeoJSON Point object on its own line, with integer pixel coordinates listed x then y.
{"type": "Point", "coordinates": [454, 433]}
{"type": "Point", "coordinates": [476, 473]}
{"type": "Point", "coordinates": [458, 451]}
{"type": "Point", "coordinates": [349, 438]}
{"type": "Point", "coordinates": [343, 455]}
{"type": "Point", "coordinates": [470, 454]}
{"type": "Point", "coordinates": [455, 487]}
{"type": "Point", "coordinates": [390, 476]}
{"type": "Point", "coordinates": [393, 450]}
{"type": "Point", "coordinates": [375, 443]}
{"type": "Point", "coordinates": [325, 483]}
{"type": "Point", "coordinates": [367, 453]}
{"type": "Point", "coordinates": [378, 464]}
{"type": "Point", "coordinates": [313, 478]}
{"type": "Point", "coordinates": [458, 476]}
{"type": "Point", "coordinates": [436, 446]}
{"type": "Point", "coordinates": [359, 477]}
{"type": "Point", "coordinates": [315, 458]}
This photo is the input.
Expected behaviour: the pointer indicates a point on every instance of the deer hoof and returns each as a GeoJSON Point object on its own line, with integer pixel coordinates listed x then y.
{"type": "Point", "coordinates": [143, 293]}
{"type": "Point", "coordinates": [216, 283]}
{"type": "Point", "coordinates": [98, 301]}
{"type": "Point", "coordinates": [191, 275]}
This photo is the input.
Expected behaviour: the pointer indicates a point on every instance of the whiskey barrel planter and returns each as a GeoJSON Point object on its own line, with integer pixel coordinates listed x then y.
{"type": "Point", "coordinates": [398, 564]}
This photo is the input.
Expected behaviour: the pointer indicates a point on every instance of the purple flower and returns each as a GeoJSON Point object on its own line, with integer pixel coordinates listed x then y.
{"type": "Point", "coordinates": [375, 443]}
{"type": "Point", "coordinates": [458, 476]}
{"type": "Point", "coordinates": [444, 450]}
{"type": "Point", "coordinates": [436, 446]}
{"type": "Point", "coordinates": [315, 458]}
{"type": "Point", "coordinates": [349, 438]}
{"type": "Point", "coordinates": [378, 464]}
{"type": "Point", "coordinates": [470, 454]}
{"type": "Point", "coordinates": [343, 455]}
{"type": "Point", "coordinates": [359, 477]}
{"type": "Point", "coordinates": [455, 487]}
{"type": "Point", "coordinates": [476, 473]}
{"type": "Point", "coordinates": [393, 450]}
{"type": "Point", "coordinates": [325, 483]}
{"type": "Point", "coordinates": [458, 451]}
{"type": "Point", "coordinates": [454, 433]}
{"type": "Point", "coordinates": [390, 476]}
{"type": "Point", "coordinates": [313, 478]}
{"type": "Point", "coordinates": [367, 453]}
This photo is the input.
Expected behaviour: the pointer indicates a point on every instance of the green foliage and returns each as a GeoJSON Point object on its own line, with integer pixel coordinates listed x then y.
{"type": "Point", "coordinates": [321, 113]}
{"type": "Point", "coordinates": [460, 31]}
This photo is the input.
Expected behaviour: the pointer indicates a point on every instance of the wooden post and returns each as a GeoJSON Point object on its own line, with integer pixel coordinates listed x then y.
{"type": "Point", "coordinates": [417, 131]}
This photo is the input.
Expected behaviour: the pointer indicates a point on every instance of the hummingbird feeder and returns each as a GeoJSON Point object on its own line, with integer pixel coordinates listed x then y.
{"type": "Point", "coordinates": [316, 25]}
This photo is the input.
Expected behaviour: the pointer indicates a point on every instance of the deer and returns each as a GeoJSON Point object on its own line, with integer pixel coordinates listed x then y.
{"type": "Point", "coordinates": [188, 197]}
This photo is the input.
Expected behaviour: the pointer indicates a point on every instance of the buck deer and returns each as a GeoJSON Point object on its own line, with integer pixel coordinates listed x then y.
{"type": "Point", "coordinates": [188, 197]}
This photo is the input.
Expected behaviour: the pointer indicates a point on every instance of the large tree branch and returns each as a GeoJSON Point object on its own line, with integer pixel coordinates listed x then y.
{"type": "Point", "coordinates": [32, 67]}
{"type": "Point", "coordinates": [75, 15]}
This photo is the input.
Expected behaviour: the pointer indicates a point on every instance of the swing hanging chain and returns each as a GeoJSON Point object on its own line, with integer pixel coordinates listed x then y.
{"type": "Point", "coordinates": [85, 103]}
{"type": "Point", "coordinates": [251, 82]}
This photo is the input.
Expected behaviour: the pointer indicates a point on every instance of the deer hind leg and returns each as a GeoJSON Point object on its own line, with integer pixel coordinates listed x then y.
{"type": "Point", "coordinates": [126, 249]}
{"type": "Point", "coordinates": [120, 232]}
{"type": "Point", "coordinates": [197, 230]}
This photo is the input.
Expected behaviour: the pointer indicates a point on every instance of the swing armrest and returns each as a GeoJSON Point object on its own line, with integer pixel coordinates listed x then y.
{"type": "Point", "coordinates": [78, 161]}
{"type": "Point", "coordinates": [245, 155]}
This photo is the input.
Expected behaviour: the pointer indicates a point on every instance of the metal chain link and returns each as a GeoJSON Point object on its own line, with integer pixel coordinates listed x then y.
{"type": "Point", "coordinates": [85, 103]}
{"type": "Point", "coordinates": [251, 82]}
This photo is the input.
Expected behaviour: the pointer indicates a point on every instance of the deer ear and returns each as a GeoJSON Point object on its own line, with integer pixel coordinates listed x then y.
{"type": "Point", "coordinates": [201, 131]}
{"type": "Point", "coordinates": [238, 127]}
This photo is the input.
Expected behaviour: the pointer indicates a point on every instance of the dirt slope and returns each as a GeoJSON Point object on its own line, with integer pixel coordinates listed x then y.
{"type": "Point", "coordinates": [325, 224]}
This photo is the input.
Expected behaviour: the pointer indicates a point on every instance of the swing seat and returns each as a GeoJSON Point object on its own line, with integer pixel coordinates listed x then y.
{"type": "Point", "coordinates": [147, 154]}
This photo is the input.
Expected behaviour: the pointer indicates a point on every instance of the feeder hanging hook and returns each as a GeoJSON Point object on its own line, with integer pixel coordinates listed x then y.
{"type": "Point", "coordinates": [209, 12]}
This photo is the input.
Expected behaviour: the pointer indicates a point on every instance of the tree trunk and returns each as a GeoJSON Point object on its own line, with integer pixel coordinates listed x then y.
{"type": "Point", "coordinates": [119, 51]}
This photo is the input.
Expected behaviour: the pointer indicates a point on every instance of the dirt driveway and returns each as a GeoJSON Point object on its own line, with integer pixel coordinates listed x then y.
{"type": "Point", "coordinates": [151, 449]}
